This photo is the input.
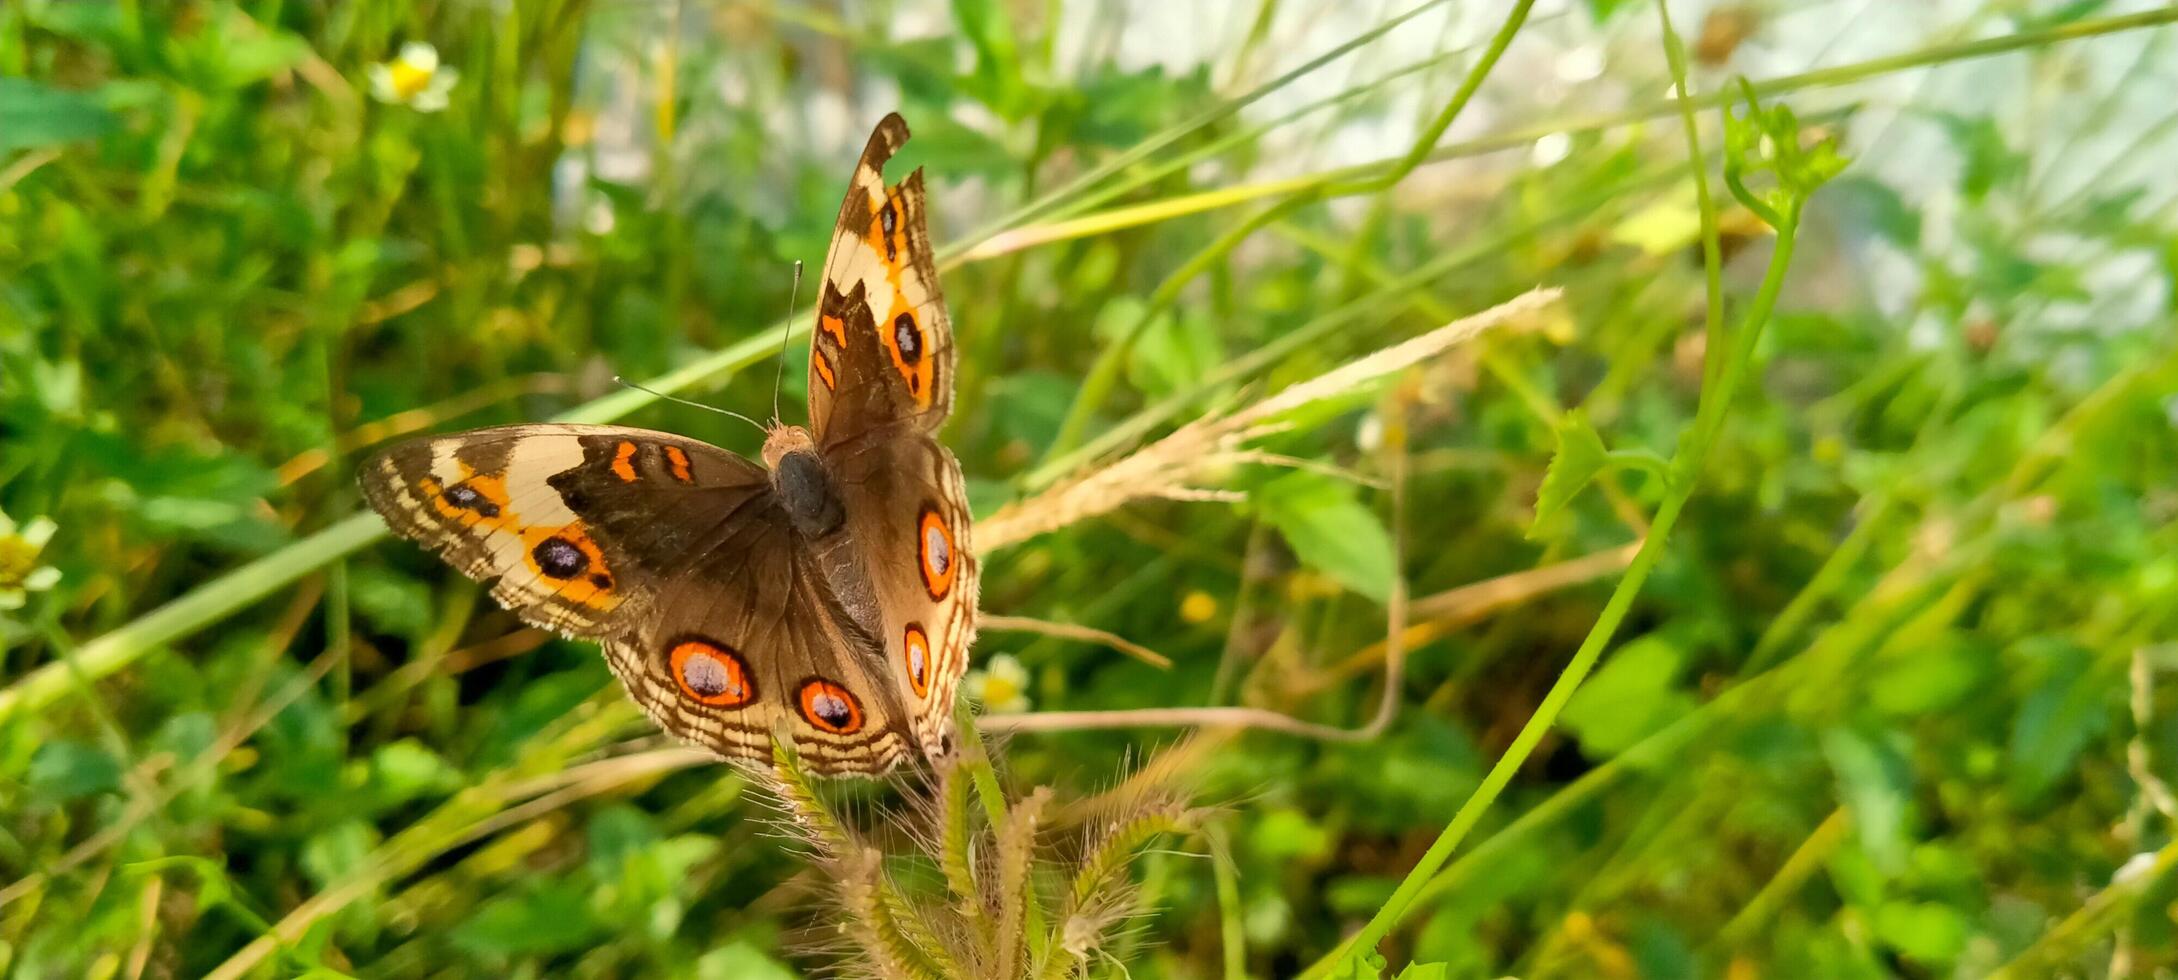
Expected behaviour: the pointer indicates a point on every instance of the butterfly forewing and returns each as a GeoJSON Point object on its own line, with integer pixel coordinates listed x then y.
{"type": "Point", "coordinates": [540, 511]}
{"type": "Point", "coordinates": [882, 352]}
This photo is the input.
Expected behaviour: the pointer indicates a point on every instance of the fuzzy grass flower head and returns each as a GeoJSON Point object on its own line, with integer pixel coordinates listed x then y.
{"type": "Point", "coordinates": [414, 78]}
{"type": "Point", "coordinates": [1000, 687]}
{"type": "Point", "coordinates": [20, 573]}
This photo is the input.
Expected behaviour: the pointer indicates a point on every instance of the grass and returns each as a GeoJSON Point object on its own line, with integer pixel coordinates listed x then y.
{"type": "Point", "coordinates": [1881, 691]}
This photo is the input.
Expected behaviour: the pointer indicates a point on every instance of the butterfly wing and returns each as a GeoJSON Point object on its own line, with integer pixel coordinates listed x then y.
{"type": "Point", "coordinates": [907, 513]}
{"type": "Point", "coordinates": [882, 352]}
{"type": "Point", "coordinates": [574, 526]}
{"type": "Point", "coordinates": [880, 385]}
{"type": "Point", "coordinates": [675, 554]}
{"type": "Point", "coordinates": [750, 641]}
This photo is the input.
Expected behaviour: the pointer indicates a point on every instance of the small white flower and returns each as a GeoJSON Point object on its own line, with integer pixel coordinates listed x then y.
{"type": "Point", "coordinates": [1551, 148]}
{"type": "Point", "coordinates": [1001, 687]}
{"type": "Point", "coordinates": [414, 78]}
{"type": "Point", "coordinates": [1580, 64]}
{"type": "Point", "coordinates": [20, 573]}
{"type": "Point", "coordinates": [2134, 867]}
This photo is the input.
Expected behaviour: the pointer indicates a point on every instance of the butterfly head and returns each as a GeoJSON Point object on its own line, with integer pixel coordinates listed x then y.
{"type": "Point", "coordinates": [780, 439]}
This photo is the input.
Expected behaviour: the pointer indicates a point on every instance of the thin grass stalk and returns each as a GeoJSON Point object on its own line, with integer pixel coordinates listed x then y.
{"type": "Point", "coordinates": [2100, 913]}
{"type": "Point", "coordinates": [1232, 932]}
{"type": "Point", "coordinates": [1877, 613]}
{"type": "Point", "coordinates": [1686, 467]}
{"type": "Point", "coordinates": [1705, 204]}
{"type": "Point", "coordinates": [1131, 216]}
{"type": "Point", "coordinates": [1104, 372]}
{"type": "Point", "coordinates": [1149, 147]}
{"type": "Point", "coordinates": [1380, 302]}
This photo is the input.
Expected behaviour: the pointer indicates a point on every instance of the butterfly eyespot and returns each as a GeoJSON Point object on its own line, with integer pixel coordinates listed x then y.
{"type": "Point", "coordinates": [829, 707]}
{"type": "Point", "coordinates": [467, 498]}
{"type": "Point", "coordinates": [917, 651]}
{"type": "Point", "coordinates": [934, 545]}
{"type": "Point", "coordinates": [679, 461]}
{"type": "Point", "coordinates": [559, 558]}
{"type": "Point", "coordinates": [908, 338]}
{"type": "Point", "coordinates": [711, 673]}
{"type": "Point", "coordinates": [624, 462]}
{"type": "Point", "coordinates": [888, 218]}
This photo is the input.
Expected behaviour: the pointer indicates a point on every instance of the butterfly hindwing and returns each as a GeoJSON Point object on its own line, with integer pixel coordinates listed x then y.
{"type": "Point", "coordinates": [907, 511]}
{"type": "Point", "coordinates": [883, 348]}
{"type": "Point", "coordinates": [749, 641]}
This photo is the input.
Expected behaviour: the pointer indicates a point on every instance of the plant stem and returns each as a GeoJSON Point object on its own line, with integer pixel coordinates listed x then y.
{"type": "Point", "coordinates": [1708, 421]}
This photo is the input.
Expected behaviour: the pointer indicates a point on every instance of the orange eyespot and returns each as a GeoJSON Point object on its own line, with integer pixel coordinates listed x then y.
{"type": "Point", "coordinates": [624, 462]}
{"type": "Point", "coordinates": [934, 549]}
{"type": "Point", "coordinates": [710, 673]}
{"type": "Point", "coordinates": [830, 707]}
{"type": "Point", "coordinates": [917, 651]}
{"type": "Point", "coordinates": [906, 342]}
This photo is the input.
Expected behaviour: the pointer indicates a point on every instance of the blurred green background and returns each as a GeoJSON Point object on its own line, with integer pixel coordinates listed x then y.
{"type": "Point", "coordinates": [1897, 699]}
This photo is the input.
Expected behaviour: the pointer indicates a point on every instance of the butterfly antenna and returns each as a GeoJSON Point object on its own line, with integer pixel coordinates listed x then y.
{"type": "Point", "coordinates": [794, 299]}
{"type": "Point", "coordinates": [625, 383]}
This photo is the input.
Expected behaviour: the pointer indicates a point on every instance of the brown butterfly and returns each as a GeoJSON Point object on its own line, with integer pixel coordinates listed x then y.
{"type": "Point", "coordinates": [829, 595]}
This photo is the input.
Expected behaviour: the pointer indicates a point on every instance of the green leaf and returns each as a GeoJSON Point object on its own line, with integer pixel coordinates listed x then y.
{"type": "Point", "coordinates": [1285, 834]}
{"type": "Point", "coordinates": [1579, 458]}
{"type": "Point", "coordinates": [2065, 711]}
{"type": "Point", "coordinates": [1426, 971]}
{"type": "Point", "coordinates": [741, 960]}
{"type": "Point", "coordinates": [1874, 784]}
{"type": "Point", "coordinates": [34, 115]}
{"type": "Point", "coordinates": [1879, 207]}
{"type": "Point", "coordinates": [1361, 964]}
{"type": "Point", "coordinates": [1926, 681]}
{"type": "Point", "coordinates": [1330, 531]}
{"type": "Point", "coordinates": [1990, 161]}
{"type": "Point", "coordinates": [64, 770]}
{"type": "Point", "coordinates": [406, 769]}
{"type": "Point", "coordinates": [338, 851]}
{"type": "Point", "coordinates": [1603, 10]}
{"type": "Point", "coordinates": [1633, 695]}
{"type": "Point", "coordinates": [553, 918]}
{"type": "Point", "coordinates": [1924, 931]}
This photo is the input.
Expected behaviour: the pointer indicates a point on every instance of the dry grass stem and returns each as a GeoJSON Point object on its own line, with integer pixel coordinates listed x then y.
{"type": "Point", "coordinates": [1446, 611]}
{"type": "Point", "coordinates": [1070, 631]}
{"type": "Point", "coordinates": [1173, 467]}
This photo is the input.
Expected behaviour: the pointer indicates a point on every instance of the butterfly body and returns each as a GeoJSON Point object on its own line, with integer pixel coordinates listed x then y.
{"type": "Point", "coordinates": [827, 596]}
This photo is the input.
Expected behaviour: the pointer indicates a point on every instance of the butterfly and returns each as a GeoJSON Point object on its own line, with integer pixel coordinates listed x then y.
{"type": "Point", "coordinates": [827, 596]}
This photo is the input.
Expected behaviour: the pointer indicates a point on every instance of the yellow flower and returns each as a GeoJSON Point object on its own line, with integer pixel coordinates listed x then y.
{"type": "Point", "coordinates": [1002, 686]}
{"type": "Point", "coordinates": [20, 573]}
{"type": "Point", "coordinates": [413, 78]}
{"type": "Point", "coordinates": [1198, 607]}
